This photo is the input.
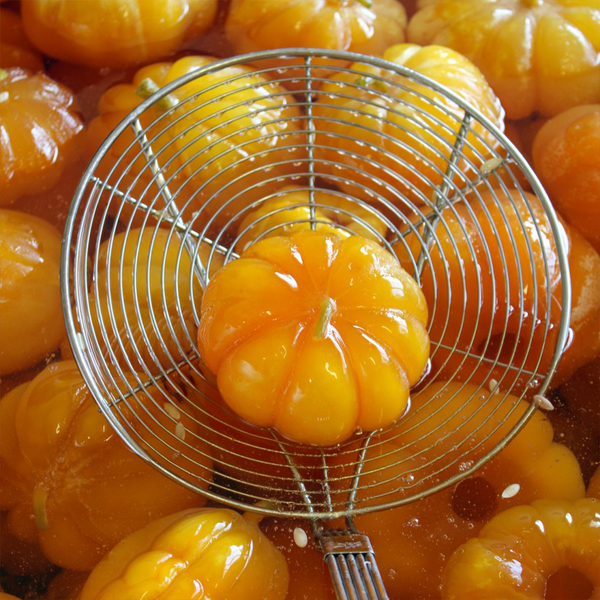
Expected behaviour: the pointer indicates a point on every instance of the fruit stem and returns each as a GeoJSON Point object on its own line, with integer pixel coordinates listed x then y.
{"type": "Point", "coordinates": [366, 3]}
{"type": "Point", "coordinates": [149, 87]}
{"type": "Point", "coordinates": [324, 318]}
{"type": "Point", "coordinates": [256, 518]}
{"type": "Point", "coordinates": [39, 500]}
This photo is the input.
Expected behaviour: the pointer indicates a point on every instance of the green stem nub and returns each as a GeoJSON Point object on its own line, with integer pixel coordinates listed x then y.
{"type": "Point", "coordinates": [149, 87]}
{"type": "Point", "coordinates": [366, 3]}
{"type": "Point", "coordinates": [325, 314]}
{"type": "Point", "coordinates": [39, 500]}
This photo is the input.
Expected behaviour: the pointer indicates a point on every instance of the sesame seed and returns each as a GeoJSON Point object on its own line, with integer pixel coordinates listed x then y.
{"type": "Point", "coordinates": [543, 403]}
{"type": "Point", "coordinates": [4, 96]}
{"type": "Point", "coordinates": [494, 386]}
{"type": "Point", "coordinates": [180, 431]}
{"type": "Point", "coordinates": [172, 411]}
{"type": "Point", "coordinates": [300, 537]}
{"type": "Point", "coordinates": [491, 165]}
{"type": "Point", "coordinates": [511, 490]}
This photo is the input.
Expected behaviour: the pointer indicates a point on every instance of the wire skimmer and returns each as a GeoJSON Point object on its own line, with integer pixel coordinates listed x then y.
{"type": "Point", "coordinates": [172, 194]}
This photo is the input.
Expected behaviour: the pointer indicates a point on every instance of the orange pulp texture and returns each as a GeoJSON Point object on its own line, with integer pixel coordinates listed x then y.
{"type": "Point", "coordinates": [302, 318]}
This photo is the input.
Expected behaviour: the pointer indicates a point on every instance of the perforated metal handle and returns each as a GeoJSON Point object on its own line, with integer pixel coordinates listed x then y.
{"type": "Point", "coordinates": [352, 565]}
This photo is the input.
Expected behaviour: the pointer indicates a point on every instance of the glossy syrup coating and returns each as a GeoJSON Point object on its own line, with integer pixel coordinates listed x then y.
{"type": "Point", "coordinates": [337, 215]}
{"type": "Point", "coordinates": [41, 133]}
{"type": "Point", "coordinates": [115, 33]}
{"type": "Point", "coordinates": [141, 304]}
{"type": "Point", "coordinates": [593, 489]}
{"type": "Point", "coordinates": [365, 26]}
{"type": "Point", "coordinates": [32, 323]}
{"type": "Point", "coordinates": [67, 585]}
{"type": "Point", "coordinates": [212, 553]}
{"type": "Point", "coordinates": [566, 156]}
{"type": "Point", "coordinates": [310, 317]}
{"type": "Point", "coordinates": [413, 542]}
{"type": "Point", "coordinates": [539, 56]}
{"type": "Point", "coordinates": [15, 48]}
{"type": "Point", "coordinates": [215, 141]}
{"type": "Point", "coordinates": [404, 135]}
{"type": "Point", "coordinates": [477, 309]}
{"type": "Point", "coordinates": [516, 553]}
{"type": "Point", "coordinates": [68, 481]}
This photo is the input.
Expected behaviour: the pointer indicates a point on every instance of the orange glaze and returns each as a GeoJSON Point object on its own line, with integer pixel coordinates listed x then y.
{"type": "Point", "coordinates": [413, 542]}
{"type": "Point", "coordinates": [67, 479]}
{"type": "Point", "coordinates": [566, 155]}
{"type": "Point", "coordinates": [209, 162]}
{"type": "Point", "coordinates": [519, 550]}
{"type": "Point", "coordinates": [470, 319]}
{"type": "Point", "coordinates": [110, 33]}
{"type": "Point", "coordinates": [41, 133]}
{"type": "Point", "coordinates": [538, 55]}
{"type": "Point", "coordinates": [32, 324]}
{"type": "Point", "coordinates": [212, 553]}
{"type": "Point", "coordinates": [311, 316]}
{"type": "Point", "coordinates": [15, 49]}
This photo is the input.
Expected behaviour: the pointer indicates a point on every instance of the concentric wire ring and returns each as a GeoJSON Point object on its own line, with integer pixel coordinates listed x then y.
{"type": "Point", "coordinates": [161, 207]}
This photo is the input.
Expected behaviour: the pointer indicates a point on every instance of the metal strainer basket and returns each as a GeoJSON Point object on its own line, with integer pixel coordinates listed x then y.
{"type": "Point", "coordinates": [165, 202]}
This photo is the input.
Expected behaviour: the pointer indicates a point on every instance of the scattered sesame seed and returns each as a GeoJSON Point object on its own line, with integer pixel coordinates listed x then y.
{"type": "Point", "coordinates": [511, 490]}
{"type": "Point", "coordinates": [4, 96]}
{"type": "Point", "coordinates": [172, 411]}
{"type": "Point", "coordinates": [490, 165]}
{"type": "Point", "coordinates": [180, 431]}
{"type": "Point", "coordinates": [494, 386]}
{"type": "Point", "coordinates": [300, 537]}
{"type": "Point", "coordinates": [543, 403]}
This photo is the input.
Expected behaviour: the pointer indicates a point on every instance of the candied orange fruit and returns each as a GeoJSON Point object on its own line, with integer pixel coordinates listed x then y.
{"type": "Point", "coordinates": [211, 553]}
{"type": "Point", "coordinates": [519, 550]}
{"type": "Point", "coordinates": [310, 317]}
{"type": "Point", "coordinates": [32, 323]}
{"type": "Point", "coordinates": [67, 479]}
{"type": "Point", "coordinates": [538, 55]}
{"type": "Point", "coordinates": [41, 133]}
{"type": "Point", "coordinates": [15, 49]}
{"type": "Point", "coordinates": [238, 125]}
{"type": "Point", "coordinates": [392, 137]}
{"type": "Point", "coordinates": [566, 155]}
{"type": "Point", "coordinates": [114, 33]}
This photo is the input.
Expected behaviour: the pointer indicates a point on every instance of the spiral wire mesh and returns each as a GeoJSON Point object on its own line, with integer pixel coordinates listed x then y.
{"type": "Point", "coordinates": [166, 201]}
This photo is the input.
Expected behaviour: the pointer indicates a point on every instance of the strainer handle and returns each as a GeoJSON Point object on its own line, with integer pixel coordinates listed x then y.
{"type": "Point", "coordinates": [352, 565]}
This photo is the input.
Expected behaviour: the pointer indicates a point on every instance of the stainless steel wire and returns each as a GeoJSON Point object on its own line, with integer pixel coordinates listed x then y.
{"type": "Point", "coordinates": [161, 206]}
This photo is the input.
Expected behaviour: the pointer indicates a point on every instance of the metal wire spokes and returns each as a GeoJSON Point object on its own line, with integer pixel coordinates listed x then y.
{"type": "Point", "coordinates": [226, 156]}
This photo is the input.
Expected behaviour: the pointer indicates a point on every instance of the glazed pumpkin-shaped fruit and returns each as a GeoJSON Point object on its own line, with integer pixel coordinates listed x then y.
{"type": "Point", "coordinates": [538, 56]}
{"type": "Point", "coordinates": [411, 542]}
{"type": "Point", "coordinates": [368, 27]}
{"type": "Point", "coordinates": [394, 136]}
{"type": "Point", "coordinates": [566, 155]}
{"type": "Point", "coordinates": [142, 303]}
{"type": "Point", "coordinates": [518, 553]}
{"type": "Point", "coordinates": [238, 125]}
{"type": "Point", "coordinates": [211, 553]}
{"type": "Point", "coordinates": [15, 49]}
{"type": "Point", "coordinates": [32, 324]}
{"type": "Point", "coordinates": [41, 133]}
{"type": "Point", "coordinates": [315, 336]}
{"type": "Point", "coordinates": [481, 312]}
{"type": "Point", "coordinates": [68, 481]}
{"type": "Point", "coordinates": [289, 211]}
{"type": "Point", "coordinates": [113, 33]}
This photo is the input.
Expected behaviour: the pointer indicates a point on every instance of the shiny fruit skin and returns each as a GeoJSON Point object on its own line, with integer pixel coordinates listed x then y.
{"type": "Point", "coordinates": [540, 56]}
{"type": "Point", "coordinates": [115, 33]}
{"type": "Point", "coordinates": [397, 141]}
{"type": "Point", "coordinates": [517, 551]}
{"type": "Point", "coordinates": [211, 553]}
{"type": "Point", "coordinates": [15, 49]}
{"type": "Point", "coordinates": [32, 323]}
{"type": "Point", "coordinates": [566, 156]}
{"type": "Point", "coordinates": [66, 477]}
{"type": "Point", "coordinates": [311, 316]}
{"type": "Point", "coordinates": [41, 133]}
